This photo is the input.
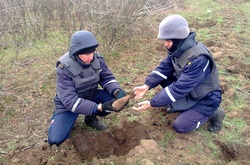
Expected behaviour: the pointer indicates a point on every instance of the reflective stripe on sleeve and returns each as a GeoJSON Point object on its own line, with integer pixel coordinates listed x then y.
{"type": "Point", "coordinates": [169, 94]}
{"type": "Point", "coordinates": [160, 74]}
{"type": "Point", "coordinates": [75, 105]}
{"type": "Point", "coordinates": [198, 124]}
{"type": "Point", "coordinates": [110, 82]}
{"type": "Point", "coordinates": [206, 66]}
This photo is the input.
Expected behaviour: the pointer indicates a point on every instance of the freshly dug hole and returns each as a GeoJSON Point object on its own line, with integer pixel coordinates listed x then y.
{"type": "Point", "coordinates": [102, 144]}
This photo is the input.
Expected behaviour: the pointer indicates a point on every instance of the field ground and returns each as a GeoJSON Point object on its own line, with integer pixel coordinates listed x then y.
{"type": "Point", "coordinates": [142, 137]}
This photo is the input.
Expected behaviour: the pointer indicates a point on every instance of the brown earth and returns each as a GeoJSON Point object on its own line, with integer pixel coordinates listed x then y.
{"type": "Point", "coordinates": [138, 137]}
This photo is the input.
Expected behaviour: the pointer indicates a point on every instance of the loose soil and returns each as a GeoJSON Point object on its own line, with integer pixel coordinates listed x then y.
{"type": "Point", "coordinates": [136, 137]}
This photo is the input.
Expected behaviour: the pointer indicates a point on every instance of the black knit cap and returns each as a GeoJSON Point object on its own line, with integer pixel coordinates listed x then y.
{"type": "Point", "coordinates": [87, 50]}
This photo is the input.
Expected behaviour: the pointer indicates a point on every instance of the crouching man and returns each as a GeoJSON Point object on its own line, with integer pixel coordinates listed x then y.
{"type": "Point", "coordinates": [79, 74]}
{"type": "Point", "coordinates": [189, 78]}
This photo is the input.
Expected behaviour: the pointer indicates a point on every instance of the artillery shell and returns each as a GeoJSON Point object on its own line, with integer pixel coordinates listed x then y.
{"type": "Point", "coordinates": [118, 104]}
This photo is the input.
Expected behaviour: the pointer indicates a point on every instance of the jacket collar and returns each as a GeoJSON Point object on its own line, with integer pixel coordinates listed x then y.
{"type": "Point", "coordinates": [189, 42]}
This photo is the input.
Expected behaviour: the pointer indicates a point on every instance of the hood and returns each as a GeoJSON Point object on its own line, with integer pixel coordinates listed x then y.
{"type": "Point", "coordinates": [81, 40]}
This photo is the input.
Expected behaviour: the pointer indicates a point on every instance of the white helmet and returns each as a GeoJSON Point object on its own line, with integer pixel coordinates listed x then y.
{"type": "Point", "coordinates": [173, 27]}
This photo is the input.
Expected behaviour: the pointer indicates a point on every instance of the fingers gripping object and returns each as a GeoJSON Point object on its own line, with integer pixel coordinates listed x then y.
{"type": "Point", "coordinates": [107, 106]}
{"type": "Point", "coordinates": [115, 105]}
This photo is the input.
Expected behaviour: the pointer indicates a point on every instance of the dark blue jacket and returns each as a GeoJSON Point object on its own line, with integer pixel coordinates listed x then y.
{"type": "Point", "coordinates": [68, 97]}
{"type": "Point", "coordinates": [193, 74]}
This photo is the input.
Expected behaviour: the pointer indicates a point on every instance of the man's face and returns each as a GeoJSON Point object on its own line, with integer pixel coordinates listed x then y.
{"type": "Point", "coordinates": [86, 58]}
{"type": "Point", "coordinates": [168, 44]}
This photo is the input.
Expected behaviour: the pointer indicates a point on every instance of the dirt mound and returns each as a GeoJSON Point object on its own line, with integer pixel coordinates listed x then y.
{"type": "Point", "coordinates": [85, 145]}
{"type": "Point", "coordinates": [90, 145]}
{"type": "Point", "coordinates": [143, 137]}
{"type": "Point", "coordinates": [115, 141]}
{"type": "Point", "coordinates": [240, 153]}
{"type": "Point", "coordinates": [132, 142]}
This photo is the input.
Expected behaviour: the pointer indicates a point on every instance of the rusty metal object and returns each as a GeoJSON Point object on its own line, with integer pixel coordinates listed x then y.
{"type": "Point", "coordinates": [120, 103]}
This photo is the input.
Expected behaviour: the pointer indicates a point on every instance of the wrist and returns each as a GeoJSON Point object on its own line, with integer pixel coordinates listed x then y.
{"type": "Point", "coordinates": [99, 108]}
{"type": "Point", "coordinates": [149, 102]}
{"type": "Point", "coordinates": [146, 86]}
{"type": "Point", "coordinates": [116, 91]}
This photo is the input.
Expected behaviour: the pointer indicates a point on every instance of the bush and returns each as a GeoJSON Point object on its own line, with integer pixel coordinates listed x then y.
{"type": "Point", "coordinates": [26, 21]}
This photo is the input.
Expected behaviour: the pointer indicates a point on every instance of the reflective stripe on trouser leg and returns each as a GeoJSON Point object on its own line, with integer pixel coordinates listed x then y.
{"type": "Point", "coordinates": [59, 129]}
{"type": "Point", "coordinates": [189, 120]}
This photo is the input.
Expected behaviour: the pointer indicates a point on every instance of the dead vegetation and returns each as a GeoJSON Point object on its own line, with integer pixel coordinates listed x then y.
{"type": "Point", "coordinates": [27, 90]}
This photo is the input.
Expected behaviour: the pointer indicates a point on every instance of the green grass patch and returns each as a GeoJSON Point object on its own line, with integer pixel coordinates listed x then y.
{"type": "Point", "coordinates": [123, 79]}
{"type": "Point", "coordinates": [215, 153]}
{"type": "Point", "coordinates": [132, 118]}
{"type": "Point", "coordinates": [164, 142]}
{"type": "Point", "coordinates": [44, 48]}
{"type": "Point", "coordinates": [237, 103]}
{"type": "Point", "coordinates": [234, 134]}
{"type": "Point", "coordinates": [203, 9]}
{"type": "Point", "coordinates": [197, 148]}
{"type": "Point", "coordinates": [112, 118]}
{"type": "Point", "coordinates": [112, 54]}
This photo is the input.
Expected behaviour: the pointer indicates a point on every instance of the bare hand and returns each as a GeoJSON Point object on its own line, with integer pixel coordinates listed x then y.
{"type": "Point", "coordinates": [142, 106]}
{"type": "Point", "coordinates": [140, 91]}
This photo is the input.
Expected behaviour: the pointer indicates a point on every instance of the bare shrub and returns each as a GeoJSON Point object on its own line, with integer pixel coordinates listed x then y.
{"type": "Point", "coordinates": [34, 33]}
{"type": "Point", "coordinates": [24, 21]}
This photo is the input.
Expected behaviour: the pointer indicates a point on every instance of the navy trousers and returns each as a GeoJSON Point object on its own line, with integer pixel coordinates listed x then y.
{"type": "Point", "coordinates": [62, 123]}
{"type": "Point", "coordinates": [189, 119]}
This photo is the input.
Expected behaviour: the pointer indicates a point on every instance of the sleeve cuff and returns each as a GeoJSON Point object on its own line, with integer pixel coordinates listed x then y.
{"type": "Point", "coordinates": [95, 110]}
{"type": "Point", "coordinates": [149, 87]}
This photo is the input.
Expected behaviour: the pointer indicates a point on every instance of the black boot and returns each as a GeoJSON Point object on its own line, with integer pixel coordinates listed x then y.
{"type": "Point", "coordinates": [92, 121]}
{"type": "Point", "coordinates": [216, 120]}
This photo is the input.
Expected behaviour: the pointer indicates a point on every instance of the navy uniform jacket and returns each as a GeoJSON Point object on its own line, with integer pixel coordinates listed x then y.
{"type": "Point", "coordinates": [67, 98]}
{"type": "Point", "coordinates": [192, 75]}
{"type": "Point", "coordinates": [72, 86]}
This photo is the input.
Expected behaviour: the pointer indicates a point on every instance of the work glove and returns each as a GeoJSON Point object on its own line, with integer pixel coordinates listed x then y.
{"type": "Point", "coordinates": [107, 106]}
{"type": "Point", "coordinates": [119, 93]}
